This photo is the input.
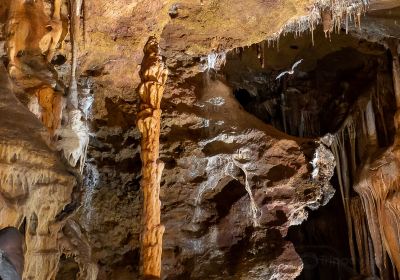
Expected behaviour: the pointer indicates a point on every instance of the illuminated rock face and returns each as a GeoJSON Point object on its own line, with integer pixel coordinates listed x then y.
{"type": "Point", "coordinates": [232, 185]}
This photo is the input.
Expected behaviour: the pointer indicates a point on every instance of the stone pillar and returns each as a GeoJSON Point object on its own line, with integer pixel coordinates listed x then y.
{"type": "Point", "coordinates": [153, 75]}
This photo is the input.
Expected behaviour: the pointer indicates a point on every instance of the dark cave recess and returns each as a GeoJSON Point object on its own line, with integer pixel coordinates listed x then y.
{"type": "Point", "coordinates": [322, 93]}
{"type": "Point", "coordinates": [317, 98]}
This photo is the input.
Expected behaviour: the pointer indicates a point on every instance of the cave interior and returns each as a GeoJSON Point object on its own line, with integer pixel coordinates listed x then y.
{"type": "Point", "coordinates": [200, 139]}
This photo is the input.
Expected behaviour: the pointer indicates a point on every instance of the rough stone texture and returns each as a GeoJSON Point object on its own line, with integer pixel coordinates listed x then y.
{"type": "Point", "coordinates": [221, 230]}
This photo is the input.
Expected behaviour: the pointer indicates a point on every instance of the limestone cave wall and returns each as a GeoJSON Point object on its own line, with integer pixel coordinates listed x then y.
{"type": "Point", "coordinates": [260, 173]}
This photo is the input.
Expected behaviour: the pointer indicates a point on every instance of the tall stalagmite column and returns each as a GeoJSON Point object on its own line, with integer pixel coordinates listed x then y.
{"type": "Point", "coordinates": [154, 75]}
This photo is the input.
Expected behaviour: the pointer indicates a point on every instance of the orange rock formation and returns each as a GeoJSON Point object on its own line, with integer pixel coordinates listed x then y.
{"type": "Point", "coordinates": [153, 75]}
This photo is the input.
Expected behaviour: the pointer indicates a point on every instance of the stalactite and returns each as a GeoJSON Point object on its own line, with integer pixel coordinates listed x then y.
{"type": "Point", "coordinates": [327, 22]}
{"type": "Point", "coordinates": [371, 126]}
{"type": "Point", "coordinates": [351, 132]}
{"type": "Point", "coordinates": [237, 51]}
{"type": "Point", "coordinates": [378, 189]}
{"type": "Point", "coordinates": [270, 106]}
{"type": "Point", "coordinates": [302, 123]}
{"type": "Point", "coordinates": [377, 185]}
{"type": "Point", "coordinates": [378, 102]}
{"type": "Point", "coordinates": [154, 75]}
{"type": "Point", "coordinates": [263, 54]}
{"type": "Point", "coordinates": [307, 126]}
{"type": "Point", "coordinates": [74, 137]}
{"type": "Point", "coordinates": [312, 32]}
{"type": "Point", "coordinates": [76, 6]}
{"type": "Point", "coordinates": [30, 29]}
{"type": "Point", "coordinates": [28, 21]}
{"type": "Point", "coordinates": [358, 125]}
{"type": "Point", "coordinates": [339, 151]}
{"type": "Point", "coordinates": [260, 53]}
{"type": "Point", "coordinates": [361, 237]}
{"type": "Point", "coordinates": [391, 225]}
{"type": "Point", "coordinates": [340, 10]}
{"type": "Point", "coordinates": [283, 110]}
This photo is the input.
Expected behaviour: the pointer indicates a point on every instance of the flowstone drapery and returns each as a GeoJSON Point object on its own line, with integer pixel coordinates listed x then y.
{"type": "Point", "coordinates": [378, 188]}
{"type": "Point", "coordinates": [372, 220]}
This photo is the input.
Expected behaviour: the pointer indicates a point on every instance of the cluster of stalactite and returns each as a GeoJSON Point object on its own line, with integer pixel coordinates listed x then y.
{"type": "Point", "coordinates": [29, 172]}
{"type": "Point", "coordinates": [331, 14]}
{"type": "Point", "coordinates": [74, 243]}
{"type": "Point", "coordinates": [378, 187]}
{"type": "Point", "coordinates": [349, 146]}
{"type": "Point", "coordinates": [368, 179]}
{"type": "Point", "coordinates": [35, 33]}
{"type": "Point", "coordinates": [154, 75]}
{"type": "Point", "coordinates": [74, 136]}
{"type": "Point", "coordinates": [297, 119]}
